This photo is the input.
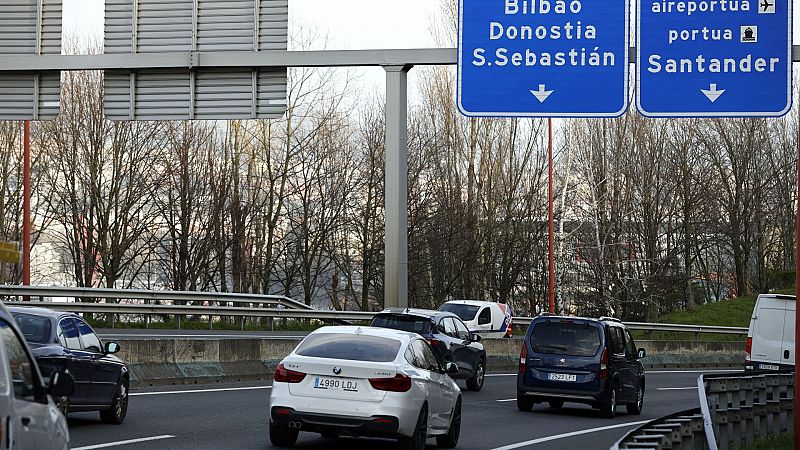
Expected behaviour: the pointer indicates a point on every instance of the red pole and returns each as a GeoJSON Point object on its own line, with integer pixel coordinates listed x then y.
{"type": "Point", "coordinates": [26, 207]}
{"type": "Point", "coordinates": [797, 310]}
{"type": "Point", "coordinates": [551, 262]}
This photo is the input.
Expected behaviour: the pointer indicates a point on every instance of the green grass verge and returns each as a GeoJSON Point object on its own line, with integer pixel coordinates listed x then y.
{"type": "Point", "coordinates": [778, 442]}
{"type": "Point", "coordinates": [726, 313]}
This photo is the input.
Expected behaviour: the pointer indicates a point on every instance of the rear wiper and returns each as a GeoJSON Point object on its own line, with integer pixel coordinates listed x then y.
{"type": "Point", "coordinates": [555, 347]}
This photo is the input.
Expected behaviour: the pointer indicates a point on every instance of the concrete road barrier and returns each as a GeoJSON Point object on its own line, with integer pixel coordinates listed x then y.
{"type": "Point", "coordinates": [195, 361]}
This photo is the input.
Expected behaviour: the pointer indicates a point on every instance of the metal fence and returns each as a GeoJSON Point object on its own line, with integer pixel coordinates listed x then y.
{"type": "Point", "coordinates": [734, 409]}
{"type": "Point", "coordinates": [119, 302]}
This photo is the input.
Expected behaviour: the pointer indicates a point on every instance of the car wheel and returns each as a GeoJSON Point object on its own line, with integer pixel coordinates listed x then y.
{"type": "Point", "coordinates": [450, 440]}
{"type": "Point", "coordinates": [417, 441]}
{"type": "Point", "coordinates": [476, 382]}
{"type": "Point", "coordinates": [282, 436]}
{"type": "Point", "coordinates": [609, 409]}
{"type": "Point", "coordinates": [636, 408]}
{"type": "Point", "coordinates": [524, 404]}
{"type": "Point", "coordinates": [62, 403]}
{"type": "Point", "coordinates": [119, 406]}
{"type": "Point", "coordinates": [556, 404]}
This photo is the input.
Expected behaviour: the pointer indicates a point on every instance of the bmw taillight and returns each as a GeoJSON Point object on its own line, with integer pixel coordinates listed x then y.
{"type": "Point", "coordinates": [748, 351]}
{"type": "Point", "coordinates": [523, 357]}
{"type": "Point", "coordinates": [400, 383]}
{"type": "Point", "coordinates": [434, 342]}
{"type": "Point", "coordinates": [604, 363]}
{"type": "Point", "coordinates": [284, 375]}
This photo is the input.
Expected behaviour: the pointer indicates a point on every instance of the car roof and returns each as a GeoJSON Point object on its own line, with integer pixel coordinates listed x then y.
{"type": "Point", "coordinates": [471, 302]}
{"type": "Point", "coordinates": [404, 336]}
{"type": "Point", "coordinates": [42, 312]}
{"type": "Point", "coordinates": [608, 320]}
{"type": "Point", "coordinates": [427, 313]}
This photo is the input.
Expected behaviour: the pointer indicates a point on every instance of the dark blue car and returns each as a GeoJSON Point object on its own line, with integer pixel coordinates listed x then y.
{"type": "Point", "coordinates": [62, 341]}
{"type": "Point", "coordinates": [448, 336]}
{"type": "Point", "coordinates": [581, 360]}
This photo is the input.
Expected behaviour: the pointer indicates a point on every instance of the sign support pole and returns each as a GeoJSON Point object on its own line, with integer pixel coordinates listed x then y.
{"type": "Point", "coordinates": [797, 310]}
{"type": "Point", "coordinates": [26, 206]}
{"type": "Point", "coordinates": [396, 191]}
{"type": "Point", "coordinates": [551, 260]}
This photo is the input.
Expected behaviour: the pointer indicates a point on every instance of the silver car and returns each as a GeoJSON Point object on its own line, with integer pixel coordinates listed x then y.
{"type": "Point", "coordinates": [29, 419]}
{"type": "Point", "coordinates": [363, 381]}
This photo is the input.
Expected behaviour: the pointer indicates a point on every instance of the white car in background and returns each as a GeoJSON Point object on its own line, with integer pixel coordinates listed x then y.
{"type": "Point", "coordinates": [489, 319]}
{"type": "Point", "coordinates": [364, 381]}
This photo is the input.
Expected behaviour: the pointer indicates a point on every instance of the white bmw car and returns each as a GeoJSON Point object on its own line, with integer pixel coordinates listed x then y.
{"type": "Point", "coordinates": [364, 381]}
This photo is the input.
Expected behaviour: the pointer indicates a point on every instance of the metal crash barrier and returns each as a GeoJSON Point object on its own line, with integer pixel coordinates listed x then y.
{"type": "Point", "coordinates": [734, 409]}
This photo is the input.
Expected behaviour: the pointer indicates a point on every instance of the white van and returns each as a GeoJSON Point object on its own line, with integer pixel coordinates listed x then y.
{"type": "Point", "coordinates": [770, 339]}
{"type": "Point", "coordinates": [489, 319]}
{"type": "Point", "coordinates": [29, 419]}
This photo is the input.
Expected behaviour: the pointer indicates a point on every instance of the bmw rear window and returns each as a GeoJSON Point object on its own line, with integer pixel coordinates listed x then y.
{"type": "Point", "coordinates": [558, 338]}
{"type": "Point", "coordinates": [350, 347]}
{"type": "Point", "coordinates": [412, 324]}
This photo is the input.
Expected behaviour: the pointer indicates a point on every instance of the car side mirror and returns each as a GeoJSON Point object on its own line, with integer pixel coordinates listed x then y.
{"type": "Point", "coordinates": [475, 337]}
{"type": "Point", "coordinates": [112, 347]}
{"type": "Point", "coordinates": [62, 384]}
{"type": "Point", "coordinates": [642, 353]}
{"type": "Point", "coordinates": [450, 368]}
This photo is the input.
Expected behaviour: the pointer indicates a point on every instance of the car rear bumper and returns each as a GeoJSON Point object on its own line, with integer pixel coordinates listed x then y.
{"type": "Point", "coordinates": [375, 426]}
{"type": "Point", "coordinates": [764, 367]}
{"type": "Point", "coordinates": [352, 417]}
{"type": "Point", "coordinates": [542, 393]}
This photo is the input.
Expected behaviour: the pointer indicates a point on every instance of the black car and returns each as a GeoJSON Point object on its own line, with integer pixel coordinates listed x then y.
{"type": "Point", "coordinates": [575, 359]}
{"type": "Point", "coordinates": [64, 341]}
{"type": "Point", "coordinates": [447, 335]}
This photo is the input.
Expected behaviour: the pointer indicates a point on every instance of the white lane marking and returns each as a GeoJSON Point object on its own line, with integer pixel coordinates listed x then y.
{"type": "Point", "coordinates": [678, 389]}
{"type": "Point", "coordinates": [694, 371]}
{"type": "Point", "coordinates": [566, 435]}
{"type": "Point", "coordinates": [507, 400]}
{"type": "Point", "coordinates": [196, 391]}
{"type": "Point", "coordinates": [130, 441]}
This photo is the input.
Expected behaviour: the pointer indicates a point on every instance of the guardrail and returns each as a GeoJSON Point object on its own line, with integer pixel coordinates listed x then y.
{"type": "Point", "coordinates": [733, 409]}
{"type": "Point", "coordinates": [148, 303]}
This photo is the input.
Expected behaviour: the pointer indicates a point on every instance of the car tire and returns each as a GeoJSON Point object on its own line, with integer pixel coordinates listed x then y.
{"type": "Point", "coordinates": [475, 383]}
{"type": "Point", "coordinates": [115, 415]}
{"type": "Point", "coordinates": [635, 409]}
{"type": "Point", "coordinates": [418, 440]}
{"type": "Point", "coordinates": [609, 409]}
{"type": "Point", "coordinates": [450, 440]}
{"type": "Point", "coordinates": [282, 436]}
{"type": "Point", "coordinates": [556, 404]}
{"type": "Point", "coordinates": [524, 404]}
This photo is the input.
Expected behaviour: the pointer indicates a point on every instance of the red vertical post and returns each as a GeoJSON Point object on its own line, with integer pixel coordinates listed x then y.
{"type": "Point", "coordinates": [26, 207]}
{"type": "Point", "coordinates": [797, 310]}
{"type": "Point", "coordinates": [551, 260]}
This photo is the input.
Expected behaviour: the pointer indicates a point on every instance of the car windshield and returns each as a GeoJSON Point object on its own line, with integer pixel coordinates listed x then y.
{"type": "Point", "coordinates": [572, 339]}
{"type": "Point", "coordinates": [413, 324]}
{"type": "Point", "coordinates": [464, 312]}
{"type": "Point", "coordinates": [349, 347]}
{"type": "Point", "coordinates": [35, 329]}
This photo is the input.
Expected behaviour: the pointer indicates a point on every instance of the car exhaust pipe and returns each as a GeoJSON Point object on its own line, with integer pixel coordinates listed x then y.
{"type": "Point", "coordinates": [295, 424]}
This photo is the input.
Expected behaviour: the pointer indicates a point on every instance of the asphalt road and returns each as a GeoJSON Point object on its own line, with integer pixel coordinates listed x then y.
{"type": "Point", "coordinates": [236, 417]}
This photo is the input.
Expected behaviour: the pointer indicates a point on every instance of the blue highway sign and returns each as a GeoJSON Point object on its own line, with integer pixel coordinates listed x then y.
{"type": "Point", "coordinates": [714, 58]}
{"type": "Point", "coordinates": [543, 58]}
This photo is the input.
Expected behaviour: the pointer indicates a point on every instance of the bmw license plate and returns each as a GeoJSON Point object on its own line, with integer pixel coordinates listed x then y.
{"type": "Point", "coordinates": [561, 377]}
{"type": "Point", "coordinates": [335, 384]}
{"type": "Point", "coordinates": [768, 367]}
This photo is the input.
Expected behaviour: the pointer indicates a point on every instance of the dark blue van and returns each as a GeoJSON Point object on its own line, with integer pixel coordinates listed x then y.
{"type": "Point", "coordinates": [580, 360]}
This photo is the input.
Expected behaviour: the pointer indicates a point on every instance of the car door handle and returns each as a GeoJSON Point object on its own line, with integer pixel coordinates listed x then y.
{"type": "Point", "coordinates": [786, 354]}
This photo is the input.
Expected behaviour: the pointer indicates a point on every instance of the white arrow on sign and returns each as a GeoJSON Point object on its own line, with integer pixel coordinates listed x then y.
{"type": "Point", "coordinates": [712, 93]}
{"type": "Point", "coordinates": [541, 94]}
